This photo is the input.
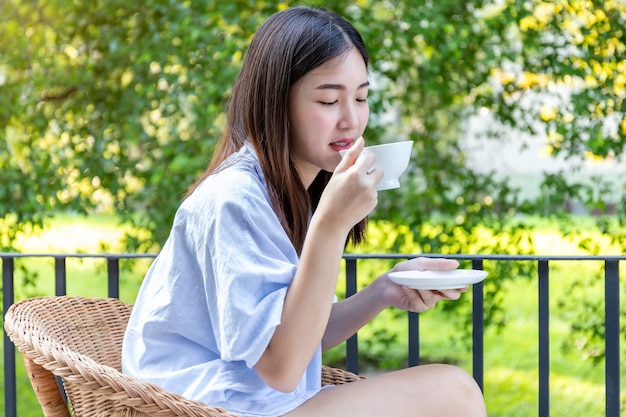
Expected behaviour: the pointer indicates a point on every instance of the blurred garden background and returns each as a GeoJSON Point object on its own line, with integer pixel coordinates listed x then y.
{"type": "Point", "coordinates": [109, 109]}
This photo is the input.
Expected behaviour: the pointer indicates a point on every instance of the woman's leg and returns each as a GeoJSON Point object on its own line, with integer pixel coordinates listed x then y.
{"type": "Point", "coordinates": [421, 391]}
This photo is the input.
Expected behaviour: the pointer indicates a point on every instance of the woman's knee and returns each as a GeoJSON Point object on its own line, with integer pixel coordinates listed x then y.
{"type": "Point", "coordinates": [458, 384]}
{"type": "Point", "coordinates": [453, 376]}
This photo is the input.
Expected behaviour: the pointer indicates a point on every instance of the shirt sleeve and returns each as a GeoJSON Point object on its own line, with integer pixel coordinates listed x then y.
{"type": "Point", "coordinates": [249, 265]}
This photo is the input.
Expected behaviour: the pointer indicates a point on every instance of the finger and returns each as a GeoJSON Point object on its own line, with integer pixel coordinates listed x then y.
{"type": "Point", "coordinates": [416, 304]}
{"type": "Point", "coordinates": [429, 297]}
{"type": "Point", "coordinates": [423, 264]}
{"type": "Point", "coordinates": [376, 174]}
{"type": "Point", "coordinates": [421, 300]}
{"type": "Point", "coordinates": [365, 164]}
{"type": "Point", "coordinates": [452, 294]}
{"type": "Point", "coordinates": [436, 264]}
{"type": "Point", "coordinates": [351, 155]}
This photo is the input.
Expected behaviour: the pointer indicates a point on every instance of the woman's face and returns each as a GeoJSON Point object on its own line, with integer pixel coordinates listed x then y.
{"type": "Point", "coordinates": [328, 111]}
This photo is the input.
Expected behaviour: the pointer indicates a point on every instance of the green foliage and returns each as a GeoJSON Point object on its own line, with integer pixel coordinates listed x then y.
{"type": "Point", "coordinates": [116, 106]}
{"type": "Point", "coordinates": [572, 48]}
{"type": "Point", "coordinates": [510, 351]}
{"type": "Point", "coordinates": [113, 103]}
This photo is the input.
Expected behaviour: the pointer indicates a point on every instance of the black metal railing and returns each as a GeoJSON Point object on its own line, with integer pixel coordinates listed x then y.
{"type": "Point", "coordinates": [611, 316]}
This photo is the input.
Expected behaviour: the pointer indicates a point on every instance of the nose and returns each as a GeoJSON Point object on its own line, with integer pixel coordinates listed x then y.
{"type": "Point", "coordinates": [349, 117]}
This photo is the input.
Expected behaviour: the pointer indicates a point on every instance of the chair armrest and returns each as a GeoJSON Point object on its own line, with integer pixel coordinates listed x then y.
{"type": "Point", "coordinates": [131, 397]}
{"type": "Point", "coordinates": [335, 376]}
{"type": "Point", "coordinates": [47, 389]}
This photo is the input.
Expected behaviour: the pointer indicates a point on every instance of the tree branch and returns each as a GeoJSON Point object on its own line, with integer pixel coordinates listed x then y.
{"type": "Point", "coordinates": [46, 96]}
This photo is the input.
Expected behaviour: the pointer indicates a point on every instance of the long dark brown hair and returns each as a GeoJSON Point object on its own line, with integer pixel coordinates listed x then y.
{"type": "Point", "coordinates": [287, 46]}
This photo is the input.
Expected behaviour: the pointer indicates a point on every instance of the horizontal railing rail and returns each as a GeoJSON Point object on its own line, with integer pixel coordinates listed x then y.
{"type": "Point", "coordinates": [611, 315]}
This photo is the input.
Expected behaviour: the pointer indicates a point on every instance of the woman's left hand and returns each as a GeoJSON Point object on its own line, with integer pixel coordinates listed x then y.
{"type": "Point", "coordinates": [417, 301]}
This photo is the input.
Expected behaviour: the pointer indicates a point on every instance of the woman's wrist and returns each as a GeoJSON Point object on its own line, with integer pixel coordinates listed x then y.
{"type": "Point", "coordinates": [377, 290]}
{"type": "Point", "coordinates": [329, 229]}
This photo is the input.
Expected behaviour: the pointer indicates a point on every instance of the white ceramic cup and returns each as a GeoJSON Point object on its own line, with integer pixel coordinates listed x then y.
{"type": "Point", "coordinates": [392, 158]}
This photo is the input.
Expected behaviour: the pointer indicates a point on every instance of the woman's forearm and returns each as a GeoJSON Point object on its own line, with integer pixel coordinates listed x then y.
{"type": "Point", "coordinates": [306, 310]}
{"type": "Point", "coordinates": [349, 315]}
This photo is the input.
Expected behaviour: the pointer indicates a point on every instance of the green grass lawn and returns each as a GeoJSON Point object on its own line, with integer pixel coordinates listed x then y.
{"type": "Point", "coordinates": [511, 387]}
{"type": "Point", "coordinates": [70, 234]}
{"type": "Point", "coordinates": [511, 359]}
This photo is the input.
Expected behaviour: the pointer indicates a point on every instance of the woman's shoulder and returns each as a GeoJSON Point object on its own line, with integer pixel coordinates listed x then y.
{"type": "Point", "coordinates": [239, 181]}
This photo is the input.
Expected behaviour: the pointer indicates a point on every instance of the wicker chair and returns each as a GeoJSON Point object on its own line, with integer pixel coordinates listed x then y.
{"type": "Point", "coordinates": [79, 340]}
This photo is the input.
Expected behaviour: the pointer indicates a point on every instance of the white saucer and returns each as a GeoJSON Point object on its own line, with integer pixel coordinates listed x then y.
{"type": "Point", "coordinates": [438, 280]}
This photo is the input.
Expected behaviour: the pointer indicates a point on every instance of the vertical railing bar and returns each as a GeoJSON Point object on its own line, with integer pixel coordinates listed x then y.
{"type": "Point", "coordinates": [8, 298]}
{"type": "Point", "coordinates": [612, 327]}
{"type": "Point", "coordinates": [60, 289]}
{"type": "Point", "coordinates": [478, 329]}
{"type": "Point", "coordinates": [60, 275]}
{"type": "Point", "coordinates": [352, 344]}
{"type": "Point", "coordinates": [113, 274]}
{"type": "Point", "coordinates": [413, 322]}
{"type": "Point", "coordinates": [414, 338]}
{"type": "Point", "coordinates": [544, 339]}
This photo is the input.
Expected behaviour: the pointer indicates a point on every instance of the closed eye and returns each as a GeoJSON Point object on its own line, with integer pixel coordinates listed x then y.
{"type": "Point", "coordinates": [328, 103]}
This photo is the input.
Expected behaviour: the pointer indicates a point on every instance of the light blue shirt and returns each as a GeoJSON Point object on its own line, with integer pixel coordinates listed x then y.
{"type": "Point", "coordinates": [214, 295]}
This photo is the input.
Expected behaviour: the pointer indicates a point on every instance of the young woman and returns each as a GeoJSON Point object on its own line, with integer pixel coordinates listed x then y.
{"type": "Point", "coordinates": [239, 304]}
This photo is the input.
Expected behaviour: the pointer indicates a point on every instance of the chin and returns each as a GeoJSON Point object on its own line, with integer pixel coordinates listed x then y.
{"type": "Point", "coordinates": [330, 167]}
{"type": "Point", "coordinates": [332, 163]}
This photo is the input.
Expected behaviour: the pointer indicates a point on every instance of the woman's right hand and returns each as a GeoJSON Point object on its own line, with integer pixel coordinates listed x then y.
{"type": "Point", "coordinates": [351, 193]}
{"type": "Point", "coordinates": [348, 197]}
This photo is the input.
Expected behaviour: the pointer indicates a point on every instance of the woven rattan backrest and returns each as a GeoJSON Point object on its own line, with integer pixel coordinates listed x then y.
{"type": "Point", "coordinates": [91, 327]}
{"type": "Point", "coordinates": [80, 340]}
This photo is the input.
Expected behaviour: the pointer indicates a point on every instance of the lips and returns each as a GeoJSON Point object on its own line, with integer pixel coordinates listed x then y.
{"type": "Point", "coordinates": [342, 144]}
